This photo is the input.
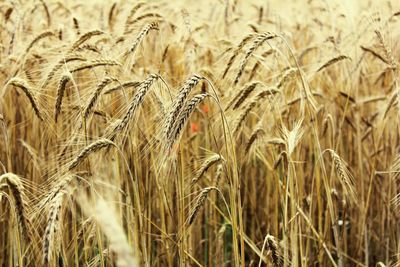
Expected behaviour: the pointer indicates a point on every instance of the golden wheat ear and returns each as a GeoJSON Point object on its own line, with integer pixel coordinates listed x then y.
{"type": "Point", "coordinates": [141, 35]}
{"type": "Point", "coordinates": [83, 38]}
{"type": "Point", "coordinates": [62, 85]}
{"type": "Point", "coordinates": [184, 115]}
{"type": "Point", "coordinates": [14, 183]}
{"type": "Point", "coordinates": [274, 248]}
{"type": "Point", "coordinates": [344, 175]}
{"type": "Point", "coordinates": [178, 104]}
{"type": "Point", "coordinates": [96, 95]}
{"type": "Point", "coordinates": [52, 227]}
{"type": "Point", "coordinates": [93, 147]}
{"type": "Point", "coordinates": [260, 39]}
{"type": "Point", "coordinates": [134, 105]}
{"type": "Point", "coordinates": [201, 198]}
{"type": "Point", "coordinates": [332, 61]}
{"type": "Point", "coordinates": [211, 160]}
{"type": "Point", "coordinates": [23, 85]}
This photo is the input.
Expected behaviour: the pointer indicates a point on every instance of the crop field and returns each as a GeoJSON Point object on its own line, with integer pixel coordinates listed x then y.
{"type": "Point", "coordinates": [199, 133]}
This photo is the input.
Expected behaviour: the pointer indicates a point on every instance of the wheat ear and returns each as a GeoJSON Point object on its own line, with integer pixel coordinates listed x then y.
{"type": "Point", "coordinates": [332, 61]}
{"type": "Point", "coordinates": [141, 35]}
{"type": "Point", "coordinates": [261, 38]}
{"type": "Point", "coordinates": [62, 85]}
{"type": "Point", "coordinates": [201, 198]}
{"type": "Point", "coordinates": [83, 38]}
{"type": "Point", "coordinates": [240, 46]}
{"type": "Point", "coordinates": [211, 160]}
{"type": "Point", "coordinates": [19, 83]}
{"type": "Point", "coordinates": [93, 147]}
{"type": "Point", "coordinates": [14, 183]}
{"type": "Point", "coordinates": [183, 118]}
{"type": "Point", "coordinates": [52, 226]}
{"type": "Point", "coordinates": [96, 94]}
{"type": "Point", "coordinates": [135, 103]}
{"type": "Point", "coordinates": [345, 177]}
{"type": "Point", "coordinates": [178, 103]}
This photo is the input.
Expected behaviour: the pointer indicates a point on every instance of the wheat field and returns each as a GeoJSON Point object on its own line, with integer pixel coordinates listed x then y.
{"type": "Point", "coordinates": [199, 133]}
